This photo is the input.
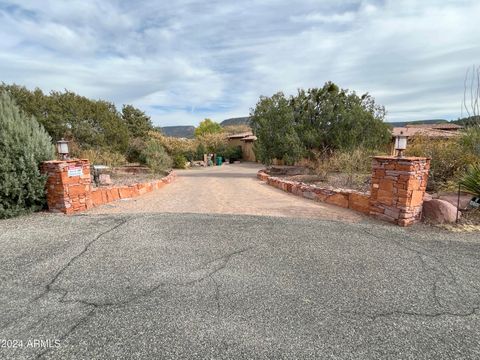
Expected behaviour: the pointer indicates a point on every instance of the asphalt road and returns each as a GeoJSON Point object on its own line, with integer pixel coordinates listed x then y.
{"type": "Point", "coordinates": [168, 286]}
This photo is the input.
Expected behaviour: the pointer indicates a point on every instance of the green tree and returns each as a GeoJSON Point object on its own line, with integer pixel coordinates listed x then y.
{"type": "Point", "coordinates": [331, 118]}
{"type": "Point", "coordinates": [325, 119]}
{"type": "Point", "coordinates": [272, 121]}
{"type": "Point", "coordinates": [138, 123]}
{"type": "Point", "coordinates": [208, 126]}
{"type": "Point", "coordinates": [23, 145]}
{"type": "Point", "coordinates": [90, 123]}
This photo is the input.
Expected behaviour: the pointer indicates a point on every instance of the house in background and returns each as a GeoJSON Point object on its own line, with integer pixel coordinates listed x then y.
{"type": "Point", "coordinates": [245, 141]}
{"type": "Point", "coordinates": [431, 131]}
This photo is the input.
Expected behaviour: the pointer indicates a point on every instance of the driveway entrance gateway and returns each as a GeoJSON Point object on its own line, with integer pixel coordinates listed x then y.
{"type": "Point", "coordinates": [226, 189]}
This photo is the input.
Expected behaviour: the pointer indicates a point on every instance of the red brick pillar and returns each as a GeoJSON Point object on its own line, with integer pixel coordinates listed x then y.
{"type": "Point", "coordinates": [397, 188]}
{"type": "Point", "coordinates": [68, 185]}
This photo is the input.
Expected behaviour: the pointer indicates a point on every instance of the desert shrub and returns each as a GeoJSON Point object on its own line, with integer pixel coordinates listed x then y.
{"type": "Point", "coordinates": [353, 163]}
{"type": "Point", "coordinates": [358, 160]}
{"type": "Point", "coordinates": [321, 168]}
{"type": "Point", "coordinates": [471, 180]}
{"type": "Point", "coordinates": [156, 158]}
{"type": "Point", "coordinates": [135, 151]}
{"type": "Point", "coordinates": [448, 159]}
{"type": "Point", "coordinates": [103, 157]}
{"type": "Point", "coordinates": [179, 161]}
{"type": "Point", "coordinates": [470, 143]}
{"type": "Point", "coordinates": [24, 144]}
{"type": "Point", "coordinates": [176, 146]}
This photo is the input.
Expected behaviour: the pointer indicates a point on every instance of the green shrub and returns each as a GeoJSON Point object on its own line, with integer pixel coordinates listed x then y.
{"type": "Point", "coordinates": [135, 151]}
{"type": "Point", "coordinates": [24, 144]}
{"type": "Point", "coordinates": [200, 151]}
{"type": "Point", "coordinates": [232, 153]}
{"type": "Point", "coordinates": [179, 161]}
{"type": "Point", "coordinates": [156, 158]}
{"type": "Point", "coordinates": [471, 180]}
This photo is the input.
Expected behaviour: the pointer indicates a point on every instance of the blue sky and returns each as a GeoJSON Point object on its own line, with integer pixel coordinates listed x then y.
{"type": "Point", "coordinates": [181, 61]}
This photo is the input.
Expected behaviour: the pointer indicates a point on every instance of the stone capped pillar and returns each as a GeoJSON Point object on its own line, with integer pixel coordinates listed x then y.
{"type": "Point", "coordinates": [68, 185]}
{"type": "Point", "coordinates": [397, 188]}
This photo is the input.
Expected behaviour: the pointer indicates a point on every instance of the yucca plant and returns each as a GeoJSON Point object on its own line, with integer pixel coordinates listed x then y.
{"type": "Point", "coordinates": [471, 180]}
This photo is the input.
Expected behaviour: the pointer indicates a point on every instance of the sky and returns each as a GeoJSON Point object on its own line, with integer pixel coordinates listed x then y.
{"type": "Point", "coordinates": [184, 60]}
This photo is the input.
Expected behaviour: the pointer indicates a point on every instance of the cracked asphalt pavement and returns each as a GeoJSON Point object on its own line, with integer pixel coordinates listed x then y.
{"type": "Point", "coordinates": [168, 286]}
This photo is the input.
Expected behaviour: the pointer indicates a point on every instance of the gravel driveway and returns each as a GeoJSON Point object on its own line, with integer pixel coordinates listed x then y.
{"type": "Point", "coordinates": [227, 189]}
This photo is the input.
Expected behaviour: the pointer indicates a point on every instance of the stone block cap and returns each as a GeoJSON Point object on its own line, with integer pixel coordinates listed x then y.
{"type": "Point", "coordinates": [406, 158]}
{"type": "Point", "coordinates": [64, 161]}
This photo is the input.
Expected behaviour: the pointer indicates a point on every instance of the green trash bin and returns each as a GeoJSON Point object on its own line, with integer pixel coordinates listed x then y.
{"type": "Point", "coordinates": [219, 160]}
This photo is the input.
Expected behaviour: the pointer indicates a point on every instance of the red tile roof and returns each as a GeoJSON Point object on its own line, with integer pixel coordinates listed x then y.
{"type": "Point", "coordinates": [240, 135]}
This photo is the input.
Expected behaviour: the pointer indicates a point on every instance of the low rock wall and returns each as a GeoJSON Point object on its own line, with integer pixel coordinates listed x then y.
{"type": "Point", "coordinates": [346, 198]}
{"type": "Point", "coordinates": [69, 187]}
{"type": "Point", "coordinates": [397, 190]}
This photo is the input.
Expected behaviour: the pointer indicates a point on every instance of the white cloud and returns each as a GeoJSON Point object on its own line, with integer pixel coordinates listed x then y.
{"type": "Point", "coordinates": [342, 18]}
{"type": "Point", "coordinates": [216, 58]}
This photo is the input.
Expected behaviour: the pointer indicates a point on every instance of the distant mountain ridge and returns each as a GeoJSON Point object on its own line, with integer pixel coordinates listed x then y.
{"type": "Point", "coordinates": [179, 131]}
{"type": "Point", "coordinates": [187, 131]}
{"type": "Point", "coordinates": [236, 121]}
{"type": "Point", "coordinates": [417, 122]}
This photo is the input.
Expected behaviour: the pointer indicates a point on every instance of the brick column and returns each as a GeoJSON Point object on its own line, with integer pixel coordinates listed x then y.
{"type": "Point", "coordinates": [397, 188]}
{"type": "Point", "coordinates": [68, 185]}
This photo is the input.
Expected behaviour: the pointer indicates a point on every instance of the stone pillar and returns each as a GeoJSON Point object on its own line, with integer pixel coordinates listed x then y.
{"type": "Point", "coordinates": [397, 188]}
{"type": "Point", "coordinates": [68, 185]}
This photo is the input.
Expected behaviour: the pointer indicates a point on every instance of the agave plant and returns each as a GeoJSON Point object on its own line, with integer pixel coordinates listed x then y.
{"type": "Point", "coordinates": [471, 180]}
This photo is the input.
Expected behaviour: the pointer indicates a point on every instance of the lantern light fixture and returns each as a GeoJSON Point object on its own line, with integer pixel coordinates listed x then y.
{"type": "Point", "coordinates": [62, 149]}
{"type": "Point", "coordinates": [400, 144]}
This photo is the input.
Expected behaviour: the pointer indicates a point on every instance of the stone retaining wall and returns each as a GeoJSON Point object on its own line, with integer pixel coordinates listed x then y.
{"type": "Point", "coordinates": [69, 188]}
{"type": "Point", "coordinates": [345, 198]}
{"type": "Point", "coordinates": [103, 195]}
{"type": "Point", "coordinates": [397, 190]}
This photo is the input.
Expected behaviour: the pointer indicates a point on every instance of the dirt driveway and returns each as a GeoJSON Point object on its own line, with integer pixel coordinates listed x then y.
{"type": "Point", "coordinates": [227, 189]}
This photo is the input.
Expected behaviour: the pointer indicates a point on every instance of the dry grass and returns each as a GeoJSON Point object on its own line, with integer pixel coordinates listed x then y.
{"type": "Point", "coordinates": [103, 157]}
{"type": "Point", "coordinates": [470, 217]}
{"type": "Point", "coordinates": [359, 182]}
{"type": "Point", "coordinates": [341, 169]}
